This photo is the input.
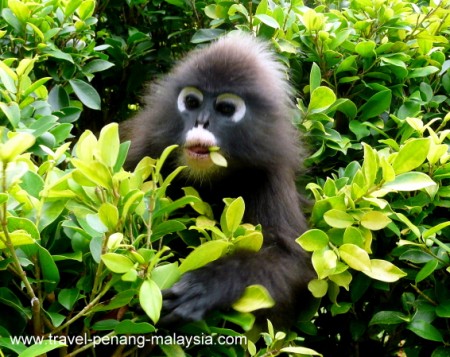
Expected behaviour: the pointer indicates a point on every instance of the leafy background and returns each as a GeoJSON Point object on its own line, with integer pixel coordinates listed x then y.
{"type": "Point", "coordinates": [85, 245]}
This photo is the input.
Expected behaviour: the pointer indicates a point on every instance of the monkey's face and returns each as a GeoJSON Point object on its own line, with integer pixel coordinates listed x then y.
{"type": "Point", "coordinates": [207, 118]}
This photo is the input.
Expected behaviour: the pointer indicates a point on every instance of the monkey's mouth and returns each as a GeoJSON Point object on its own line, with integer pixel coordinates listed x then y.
{"type": "Point", "coordinates": [198, 151]}
{"type": "Point", "coordinates": [197, 156]}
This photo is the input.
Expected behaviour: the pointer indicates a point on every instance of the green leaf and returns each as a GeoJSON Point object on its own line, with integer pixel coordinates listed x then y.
{"type": "Point", "coordinates": [342, 279]}
{"type": "Point", "coordinates": [341, 308]}
{"type": "Point", "coordinates": [130, 276]}
{"type": "Point", "coordinates": [268, 20]}
{"type": "Point", "coordinates": [105, 325]}
{"type": "Point", "coordinates": [355, 257]}
{"type": "Point", "coordinates": [121, 299]}
{"type": "Point", "coordinates": [388, 318]}
{"type": "Point", "coordinates": [206, 35]}
{"type": "Point", "coordinates": [427, 270]}
{"type": "Point", "coordinates": [324, 262]}
{"type": "Point", "coordinates": [234, 215]}
{"type": "Point", "coordinates": [20, 9]}
{"type": "Point", "coordinates": [131, 201]}
{"type": "Point", "coordinates": [117, 263]}
{"type": "Point", "coordinates": [365, 49]}
{"type": "Point", "coordinates": [384, 271]}
{"type": "Point", "coordinates": [128, 327]}
{"type": "Point", "coordinates": [301, 351]}
{"type": "Point", "coordinates": [86, 146]}
{"type": "Point", "coordinates": [166, 275]}
{"type": "Point", "coordinates": [12, 112]}
{"type": "Point", "coordinates": [443, 309]}
{"type": "Point", "coordinates": [15, 146]}
{"type": "Point", "coordinates": [252, 241]}
{"type": "Point", "coordinates": [15, 346]}
{"type": "Point", "coordinates": [433, 230]}
{"type": "Point", "coordinates": [409, 181]}
{"type": "Point", "coordinates": [321, 99]}
{"type": "Point", "coordinates": [315, 78]}
{"type": "Point", "coordinates": [318, 287]}
{"type": "Point", "coordinates": [114, 240]}
{"type": "Point", "coordinates": [376, 105]}
{"type": "Point", "coordinates": [96, 172]}
{"type": "Point", "coordinates": [425, 330]}
{"type": "Point", "coordinates": [19, 223]}
{"type": "Point", "coordinates": [18, 238]}
{"type": "Point", "coordinates": [71, 7]}
{"type": "Point", "coordinates": [204, 254]}
{"type": "Point", "coordinates": [411, 155]}
{"type": "Point", "coordinates": [122, 156]}
{"type": "Point", "coordinates": [167, 227]}
{"type": "Point", "coordinates": [51, 210]}
{"type": "Point", "coordinates": [97, 65]}
{"type": "Point", "coordinates": [11, 19]}
{"type": "Point", "coordinates": [422, 72]}
{"type": "Point", "coordinates": [150, 298]}
{"type": "Point", "coordinates": [375, 220]}
{"type": "Point", "coordinates": [56, 53]}
{"type": "Point", "coordinates": [108, 145]}
{"type": "Point", "coordinates": [68, 297]}
{"type": "Point", "coordinates": [370, 165]}
{"type": "Point", "coordinates": [58, 98]}
{"type": "Point", "coordinates": [41, 348]}
{"type": "Point", "coordinates": [338, 219]}
{"type": "Point", "coordinates": [255, 297]}
{"type": "Point", "coordinates": [218, 159]}
{"type": "Point", "coordinates": [8, 77]}
{"type": "Point", "coordinates": [86, 93]}
{"type": "Point", "coordinates": [86, 9]}
{"type": "Point", "coordinates": [49, 270]}
{"type": "Point", "coordinates": [34, 86]}
{"type": "Point", "coordinates": [354, 235]}
{"type": "Point", "coordinates": [109, 215]}
{"type": "Point", "coordinates": [95, 224]}
{"type": "Point", "coordinates": [312, 240]}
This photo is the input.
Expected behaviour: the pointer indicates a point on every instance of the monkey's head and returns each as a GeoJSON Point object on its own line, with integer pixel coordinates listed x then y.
{"type": "Point", "coordinates": [233, 95]}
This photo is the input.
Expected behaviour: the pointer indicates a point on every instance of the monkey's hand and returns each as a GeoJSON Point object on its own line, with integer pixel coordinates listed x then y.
{"type": "Point", "coordinates": [197, 293]}
{"type": "Point", "coordinates": [220, 283]}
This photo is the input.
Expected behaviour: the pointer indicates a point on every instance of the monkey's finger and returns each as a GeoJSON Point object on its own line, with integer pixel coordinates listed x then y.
{"type": "Point", "coordinates": [181, 315]}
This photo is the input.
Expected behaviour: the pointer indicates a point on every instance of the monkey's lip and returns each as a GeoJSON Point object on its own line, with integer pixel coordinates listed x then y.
{"type": "Point", "coordinates": [198, 152]}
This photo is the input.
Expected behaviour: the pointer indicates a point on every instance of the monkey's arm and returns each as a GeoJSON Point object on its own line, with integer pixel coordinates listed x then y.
{"type": "Point", "coordinates": [219, 284]}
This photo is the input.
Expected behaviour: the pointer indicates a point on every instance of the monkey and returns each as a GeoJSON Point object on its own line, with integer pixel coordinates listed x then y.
{"type": "Point", "coordinates": [233, 94]}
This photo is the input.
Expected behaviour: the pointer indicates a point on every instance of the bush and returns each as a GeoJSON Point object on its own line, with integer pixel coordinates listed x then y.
{"type": "Point", "coordinates": [85, 243]}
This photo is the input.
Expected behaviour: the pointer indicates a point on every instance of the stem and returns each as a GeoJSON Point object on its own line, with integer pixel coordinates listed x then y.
{"type": "Point", "coordinates": [44, 194]}
{"type": "Point", "coordinates": [83, 312]}
{"type": "Point", "coordinates": [35, 303]}
{"type": "Point", "coordinates": [250, 16]}
{"type": "Point", "coordinates": [99, 272]}
{"type": "Point", "coordinates": [151, 208]}
{"type": "Point", "coordinates": [416, 288]}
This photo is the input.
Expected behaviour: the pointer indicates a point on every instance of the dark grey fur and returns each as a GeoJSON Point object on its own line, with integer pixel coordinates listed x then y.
{"type": "Point", "coordinates": [263, 156]}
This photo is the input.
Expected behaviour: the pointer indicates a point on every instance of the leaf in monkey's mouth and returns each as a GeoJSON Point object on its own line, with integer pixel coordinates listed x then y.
{"type": "Point", "coordinates": [203, 156]}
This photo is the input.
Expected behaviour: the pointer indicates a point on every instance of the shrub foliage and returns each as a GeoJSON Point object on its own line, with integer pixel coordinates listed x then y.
{"type": "Point", "coordinates": [86, 247]}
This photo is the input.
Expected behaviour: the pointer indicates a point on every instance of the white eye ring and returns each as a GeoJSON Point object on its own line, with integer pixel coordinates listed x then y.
{"type": "Point", "coordinates": [187, 94]}
{"type": "Point", "coordinates": [229, 100]}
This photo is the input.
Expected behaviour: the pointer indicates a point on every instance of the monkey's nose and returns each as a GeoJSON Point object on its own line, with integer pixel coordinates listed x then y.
{"type": "Point", "coordinates": [203, 120]}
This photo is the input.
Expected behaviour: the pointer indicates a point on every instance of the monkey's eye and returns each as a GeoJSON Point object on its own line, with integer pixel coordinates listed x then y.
{"type": "Point", "coordinates": [191, 102]}
{"type": "Point", "coordinates": [190, 98]}
{"type": "Point", "coordinates": [225, 108]}
{"type": "Point", "coordinates": [230, 105]}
